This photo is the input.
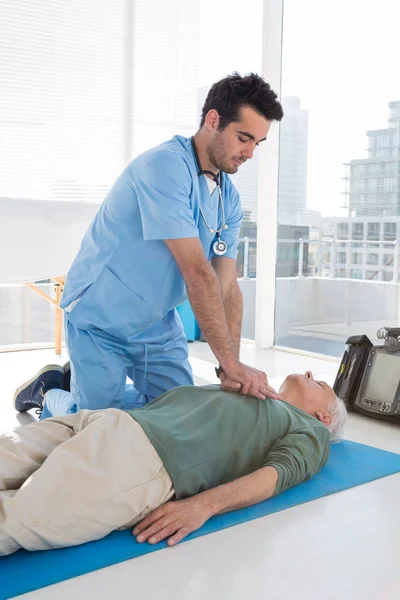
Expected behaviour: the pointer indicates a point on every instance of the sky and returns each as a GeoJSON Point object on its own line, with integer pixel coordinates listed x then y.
{"type": "Point", "coordinates": [340, 57]}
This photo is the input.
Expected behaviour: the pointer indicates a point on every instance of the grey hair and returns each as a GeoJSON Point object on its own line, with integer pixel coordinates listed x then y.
{"type": "Point", "coordinates": [338, 413]}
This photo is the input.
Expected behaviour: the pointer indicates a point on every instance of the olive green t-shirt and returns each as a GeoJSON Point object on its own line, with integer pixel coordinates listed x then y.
{"type": "Point", "coordinates": [206, 437]}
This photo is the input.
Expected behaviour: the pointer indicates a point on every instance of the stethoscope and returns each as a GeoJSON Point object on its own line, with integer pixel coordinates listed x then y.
{"type": "Point", "coordinates": [219, 246]}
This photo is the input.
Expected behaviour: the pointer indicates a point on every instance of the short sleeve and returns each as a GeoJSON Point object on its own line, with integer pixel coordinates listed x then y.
{"type": "Point", "coordinates": [234, 220]}
{"type": "Point", "coordinates": [163, 189]}
{"type": "Point", "coordinates": [298, 456]}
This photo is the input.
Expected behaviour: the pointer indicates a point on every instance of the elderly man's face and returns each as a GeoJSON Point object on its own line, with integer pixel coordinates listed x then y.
{"type": "Point", "coordinates": [314, 397]}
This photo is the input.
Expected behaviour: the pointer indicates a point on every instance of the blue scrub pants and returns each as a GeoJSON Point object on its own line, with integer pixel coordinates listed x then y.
{"type": "Point", "coordinates": [156, 360]}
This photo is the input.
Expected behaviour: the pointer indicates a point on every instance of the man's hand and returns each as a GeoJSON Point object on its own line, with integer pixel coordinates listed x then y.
{"type": "Point", "coordinates": [173, 520]}
{"type": "Point", "coordinates": [248, 382]}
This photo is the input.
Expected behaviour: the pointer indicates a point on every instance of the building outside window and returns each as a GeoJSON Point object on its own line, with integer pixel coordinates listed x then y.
{"type": "Point", "coordinates": [372, 258]}
{"type": "Point", "coordinates": [387, 276]}
{"type": "Point", "coordinates": [373, 231]}
{"type": "Point", "coordinates": [358, 231]}
{"type": "Point", "coordinates": [343, 231]}
{"type": "Point", "coordinates": [356, 258]}
{"type": "Point", "coordinates": [372, 275]}
{"type": "Point", "coordinates": [370, 184]}
{"type": "Point", "coordinates": [327, 257]}
{"type": "Point", "coordinates": [389, 231]}
{"type": "Point", "coordinates": [373, 169]}
{"type": "Point", "coordinates": [387, 259]}
{"type": "Point", "coordinates": [389, 184]}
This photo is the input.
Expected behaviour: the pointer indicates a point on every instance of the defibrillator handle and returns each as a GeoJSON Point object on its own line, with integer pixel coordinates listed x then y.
{"type": "Point", "coordinates": [388, 332]}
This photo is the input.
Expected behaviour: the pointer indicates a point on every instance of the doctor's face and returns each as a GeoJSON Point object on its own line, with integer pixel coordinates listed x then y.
{"type": "Point", "coordinates": [230, 148]}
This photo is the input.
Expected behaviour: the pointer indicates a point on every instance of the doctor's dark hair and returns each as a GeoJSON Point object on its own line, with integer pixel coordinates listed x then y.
{"type": "Point", "coordinates": [230, 94]}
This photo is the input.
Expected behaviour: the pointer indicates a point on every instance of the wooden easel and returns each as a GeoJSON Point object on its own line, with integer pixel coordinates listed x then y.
{"type": "Point", "coordinates": [58, 290]}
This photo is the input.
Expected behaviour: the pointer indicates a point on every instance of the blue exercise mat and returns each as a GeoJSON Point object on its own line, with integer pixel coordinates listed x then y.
{"type": "Point", "coordinates": [350, 464]}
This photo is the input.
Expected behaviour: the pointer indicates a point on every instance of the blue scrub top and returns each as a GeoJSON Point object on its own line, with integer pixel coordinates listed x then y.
{"type": "Point", "coordinates": [124, 275]}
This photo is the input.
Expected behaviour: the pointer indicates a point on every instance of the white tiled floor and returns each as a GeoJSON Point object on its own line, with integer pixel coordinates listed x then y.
{"type": "Point", "coordinates": [344, 546]}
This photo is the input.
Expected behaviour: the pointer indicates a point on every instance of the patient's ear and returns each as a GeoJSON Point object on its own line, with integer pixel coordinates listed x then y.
{"type": "Point", "coordinates": [325, 418]}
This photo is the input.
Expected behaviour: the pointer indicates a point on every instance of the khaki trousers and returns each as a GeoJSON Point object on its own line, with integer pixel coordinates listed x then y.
{"type": "Point", "coordinates": [69, 480]}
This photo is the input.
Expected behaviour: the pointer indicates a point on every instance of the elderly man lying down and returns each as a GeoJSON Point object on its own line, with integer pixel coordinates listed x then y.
{"type": "Point", "coordinates": [163, 469]}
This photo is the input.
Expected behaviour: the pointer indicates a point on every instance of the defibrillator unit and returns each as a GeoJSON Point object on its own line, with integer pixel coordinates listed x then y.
{"type": "Point", "coordinates": [368, 379]}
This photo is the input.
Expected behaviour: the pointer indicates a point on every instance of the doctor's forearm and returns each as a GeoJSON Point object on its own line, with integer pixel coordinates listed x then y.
{"type": "Point", "coordinates": [233, 306]}
{"type": "Point", "coordinates": [206, 299]}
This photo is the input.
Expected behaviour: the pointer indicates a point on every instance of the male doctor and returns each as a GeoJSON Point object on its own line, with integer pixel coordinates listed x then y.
{"type": "Point", "coordinates": [167, 231]}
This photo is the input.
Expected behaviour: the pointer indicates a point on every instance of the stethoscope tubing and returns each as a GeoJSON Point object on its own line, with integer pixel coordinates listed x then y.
{"type": "Point", "coordinates": [218, 182]}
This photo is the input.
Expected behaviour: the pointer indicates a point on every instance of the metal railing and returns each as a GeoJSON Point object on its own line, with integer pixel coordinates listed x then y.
{"type": "Point", "coordinates": [26, 321]}
{"type": "Point", "coordinates": [314, 250]}
{"type": "Point", "coordinates": [244, 270]}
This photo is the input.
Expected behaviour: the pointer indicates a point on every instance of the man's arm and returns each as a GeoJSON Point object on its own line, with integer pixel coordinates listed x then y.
{"type": "Point", "coordinates": [175, 520]}
{"type": "Point", "coordinates": [225, 269]}
{"type": "Point", "coordinates": [205, 296]}
{"type": "Point", "coordinates": [293, 459]}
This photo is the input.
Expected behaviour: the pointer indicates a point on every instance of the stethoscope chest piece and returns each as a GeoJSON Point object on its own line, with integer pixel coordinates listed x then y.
{"type": "Point", "coordinates": [220, 247]}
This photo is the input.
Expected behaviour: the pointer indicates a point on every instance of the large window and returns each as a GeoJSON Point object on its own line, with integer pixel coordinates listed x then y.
{"type": "Point", "coordinates": [86, 85]}
{"type": "Point", "coordinates": [345, 145]}
{"type": "Point", "coordinates": [221, 54]}
{"type": "Point", "coordinates": [64, 117]}
{"type": "Point", "coordinates": [63, 98]}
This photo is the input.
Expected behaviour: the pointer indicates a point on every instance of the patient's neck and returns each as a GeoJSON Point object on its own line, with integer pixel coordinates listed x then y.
{"type": "Point", "coordinates": [294, 400]}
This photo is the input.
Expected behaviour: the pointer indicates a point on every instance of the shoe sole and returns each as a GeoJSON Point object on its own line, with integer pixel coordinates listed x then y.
{"type": "Point", "coordinates": [67, 369]}
{"type": "Point", "coordinates": [32, 379]}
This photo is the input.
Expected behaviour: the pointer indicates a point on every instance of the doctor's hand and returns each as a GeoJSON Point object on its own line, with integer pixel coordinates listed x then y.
{"type": "Point", "coordinates": [173, 520]}
{"type": "Point", "coordinates": [248, 382]}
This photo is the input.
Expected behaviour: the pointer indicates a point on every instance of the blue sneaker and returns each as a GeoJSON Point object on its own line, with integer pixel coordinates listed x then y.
{"type": "Point", "coordinates": [31, 393]}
